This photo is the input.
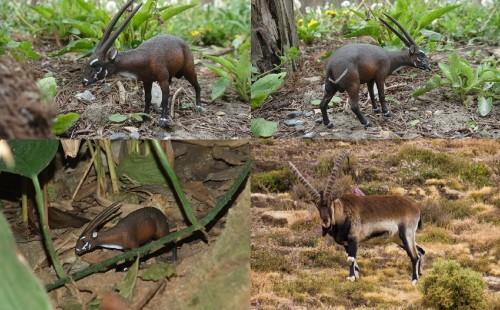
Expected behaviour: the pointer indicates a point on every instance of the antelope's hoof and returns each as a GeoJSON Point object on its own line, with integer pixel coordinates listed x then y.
{"type": "Point", "coordinates": [200, 109]}
{"type": "Point", "coordinates": [165, 122]}
{"type": "Point", "coordinates": [330, 125]}
{"type": "Point", "coordinates": [377, 110]}
{"type": "Point", "coordinates": [387, 114]}
{"type": "Point", "coordinates": [319, 120]}
{"type": "Point", "coordinates": [351, 278]}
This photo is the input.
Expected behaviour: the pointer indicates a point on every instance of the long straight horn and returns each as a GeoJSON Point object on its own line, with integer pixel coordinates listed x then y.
{"type": "Point", "coordinates": [310, 189]}
{"type": "Point", "coordinates": [407, 35]}
{"type": "Point", "coordinates": [102, 217]}
{"type": "Point", "coordinates": [337, 166]}
{"type": "Point", "coordinates": [400, 36]}
{"type": "Point", "coordinates": [112, 24]}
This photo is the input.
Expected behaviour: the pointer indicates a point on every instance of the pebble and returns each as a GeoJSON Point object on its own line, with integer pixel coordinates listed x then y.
{"type": "Point", "coordinates": [294, 114]}
{"type": "Point", "coordinates": [118, 136]}
{"type": "Point", "coordinates": [294, 122]}
{"type": "Point", "coordinates": [413, 109]}
{"type": "Point", "coordinates": [309, 135]}
{"type": "Point", "coordinates": [220, 113]}
{"type": "Point", "coordinates": [300, 128]}
{"type": "Point", "coordinates": [85, 96]}
{"type": "Point", "coordinates": [308, 114]}
{"type": "Point", "coordinates": [324, 134]}
{"type": "Point", "coordinates": [438, 112]}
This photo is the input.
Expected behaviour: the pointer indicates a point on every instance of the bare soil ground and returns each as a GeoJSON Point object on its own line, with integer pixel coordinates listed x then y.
{"type": "Point", "coordinates": [224, 118]}
{"type": "Point", "coordinates": [293, 267]}
{"type": "Point", "coordinates": [435, 114]}
{"type": "Point", "coordinates": [203, 271]}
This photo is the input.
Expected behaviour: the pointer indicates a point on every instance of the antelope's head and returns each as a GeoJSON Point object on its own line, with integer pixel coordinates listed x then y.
{"type": "Point", "coordinates": [102, 61]}
{"type": "Point", "coordinates": [323, 199]}
{"type": "Point", "coordinates": [88, 239]}
{"type": "Point", "coordinates": [417, 57]}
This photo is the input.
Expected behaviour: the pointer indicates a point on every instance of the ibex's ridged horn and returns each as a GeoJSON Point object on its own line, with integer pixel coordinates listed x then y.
{"type": "Point", "coordinates": [310, 189]}
{"type": "Point", "coordinates": [112, 24]}
{"type": "Point", "coordinates": [102, 217]}
{"type": "Point", "coordinates": [337, 166]}
{"type": "Point", "coordinates": [407, 35]}
{"type": "Point", "coordinates": [400, 36]}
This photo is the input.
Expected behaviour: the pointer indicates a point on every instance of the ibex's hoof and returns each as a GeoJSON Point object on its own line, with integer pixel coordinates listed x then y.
{"type": "Point", "coordinates": [414, 282]}
{"type": "Point", "coordinates": [351, 278]}
{"type": "Point", "coordinates": [200, 109]}
{"type": "Point", "coordinates": [387, 114]}
{"type": "Point", "coordinates": [165, 122]}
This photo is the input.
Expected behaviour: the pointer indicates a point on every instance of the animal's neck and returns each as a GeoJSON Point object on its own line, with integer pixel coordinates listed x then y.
{"type": "Point", "coordinates": [399, 59]}
{"type": "Point", "coordinates": [127, 61]}
{"type": "Point", "coordinates": [110, 237]}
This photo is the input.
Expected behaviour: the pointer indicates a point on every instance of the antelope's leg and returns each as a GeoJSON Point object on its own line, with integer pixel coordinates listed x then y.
{"type": "Point", "coordinates": [354, 101]}
{"type": "Point", "coordinates": [330, 90]}
{"type": "Point", "coordinates": [147, 95]}
{"type": "Point", "coordinates": [352, 248]}
{"type": "Point", "coordinates": [421, 254]}
{"type": "Point", "coordinates": [192, 79]}
{"type": "Point", "coordinates": [375, 107]}
{"type": "Point", "coordinates": [381, 97]}
{"type": "Point", "coordinates": [165, 120]}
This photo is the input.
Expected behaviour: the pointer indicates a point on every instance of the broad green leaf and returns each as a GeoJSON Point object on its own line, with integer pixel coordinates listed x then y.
{"type": "Point", "coordinates": [126, 287]}
{"type": "Point", "coordinates": [45, 12]}
{"type": "Point", "coordinates": [87, 6]}
{"type": "Point", "coordinates": [263, 129]}
{"type": "Point", "coordinates": [118, 118]}
{"type": "Point", "coordinates": [265, 86]}
{"type": "Point", "coordinates": [170, 11]}
{"type": "Point", "coordinates": [484, 106]}
{"type": "Point", "coordinates": [31, 156]}
{"type": "Point", "coordinates": [143, 15]}
{"type": "Point", "coordinates": [446, 71]}
{"type": "Point", "coordinates": [48, 88]}
{"type": "Point", "coordinates": [158, 272]}
{"type": "Point", "coordinates": [86, 28]}
{"type": "Point", "coordinates": [315, 102]}
{"type": "Point", "coordinates": [425, 20]}
{"type": "Point", "coordinates": [19, 288]}
{"type": "Point", "coordinates": [81, 45]}
{"type": "Point", "coordinates": [218, 70]}
{"type": "Point", "coordinates": [431, 84]}
{"type": "Point", "coordinates": [431, 35]}
{"type": "Point", "coordinates": [63, 122]}
{"type": "Point", "coordinates": [369, 30]}
{"type": "Point", "coordinates": [220, 87]}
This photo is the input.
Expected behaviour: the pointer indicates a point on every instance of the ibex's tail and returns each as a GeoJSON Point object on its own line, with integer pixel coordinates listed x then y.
{"type": "Point", "coordinates": [339, 78]}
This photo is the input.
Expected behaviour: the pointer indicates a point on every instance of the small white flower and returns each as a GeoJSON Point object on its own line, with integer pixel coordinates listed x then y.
{"type": "Point", "coordinates": [345, 4]}
{"type": "Point", "coordinates": [296, 4]}
{"type": "Point", "coordinates": [111, 6]}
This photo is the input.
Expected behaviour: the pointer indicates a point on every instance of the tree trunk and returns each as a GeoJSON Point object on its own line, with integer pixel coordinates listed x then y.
{"type": "Point", "coordinates": [273, 32]}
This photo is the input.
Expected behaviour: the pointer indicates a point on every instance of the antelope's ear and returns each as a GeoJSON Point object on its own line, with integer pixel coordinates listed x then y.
{"type": "Point", "coordinates": [111, 55]}
{"type": "Point", "coordinates": [413, 49]}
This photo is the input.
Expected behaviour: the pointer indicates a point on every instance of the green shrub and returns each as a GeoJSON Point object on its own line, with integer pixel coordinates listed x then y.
{"type": "Point", "coordinates": [272, 181]}
{"type": "Point", "coordinates": [450, 286]}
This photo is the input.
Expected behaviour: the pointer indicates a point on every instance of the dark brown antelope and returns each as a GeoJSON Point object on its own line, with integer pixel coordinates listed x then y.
{"type": "Point", "coordinates": [158, 59]}
{"type": "Point", "coordinates": [356, 64]}
{"type": "Point", "coordinates": [134, 230]}
{"type": "Point", "coordinates": [351, 218]}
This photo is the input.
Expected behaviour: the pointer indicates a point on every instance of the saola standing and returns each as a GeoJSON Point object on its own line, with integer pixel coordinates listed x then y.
{"type": "Point", "coordinates": [159, 59]}
{"type": "Point", "coordinates": [356, 64]}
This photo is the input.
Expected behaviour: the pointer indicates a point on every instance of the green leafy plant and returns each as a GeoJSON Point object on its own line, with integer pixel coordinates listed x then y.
{"type": "Point", "coordinates": [262, 128]}
{"type": "Point", "coordinates": [232, 71]}
{"type": "Point", "coordinates": [19, 50]}
{"type": "Point", "coordinates": [48, 88]}
{"type": "Point", "coordinates": [450, 286]}
{"type": "Point", "coordinates": [463, 79]}
{"type": "Point", "coordinates": [63, 122]}
{"type": "Point", "coordinates": [265, 86]}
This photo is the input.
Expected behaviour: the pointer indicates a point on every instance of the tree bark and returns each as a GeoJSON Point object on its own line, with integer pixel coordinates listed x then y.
{"type": "Point", "coordinates": [273, 32]}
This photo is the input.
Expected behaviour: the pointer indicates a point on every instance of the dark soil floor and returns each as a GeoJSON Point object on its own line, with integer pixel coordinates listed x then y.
{"type": "Point", "coordinates": [434, 114]}
{"type": "Point", "coordinates": [224, 118]}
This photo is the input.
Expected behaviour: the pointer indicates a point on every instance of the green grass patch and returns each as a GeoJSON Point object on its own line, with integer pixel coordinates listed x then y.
{"type": "Point", "coordinates": [289, 240]}
{"type": "Point", "coordinates": [323, 259]}
{"type": "Point", "coordinates": [267, 260]}
{"type": "Point", "coordinates": [435, 234]}
{"type": "Point", "coordinates": [274, 181]}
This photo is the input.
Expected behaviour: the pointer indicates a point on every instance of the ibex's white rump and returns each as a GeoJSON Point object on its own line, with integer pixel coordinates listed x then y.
{"type": "Point", "coordinates": [350, 219]}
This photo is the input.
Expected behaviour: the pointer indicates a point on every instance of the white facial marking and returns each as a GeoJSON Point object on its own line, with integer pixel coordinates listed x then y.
{"type": "Point", "coordinates": [106, 73]}
{"type": "Point", "coordinates": [93, 61]}
{"type": "Point", "coordinates": [94, 234]}
{"type": "Point", "coordinates": [100, 70]}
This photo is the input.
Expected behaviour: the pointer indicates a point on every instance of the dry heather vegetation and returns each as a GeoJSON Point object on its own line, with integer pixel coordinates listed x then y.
{"type": "Point", "coordinates": [294, 267]}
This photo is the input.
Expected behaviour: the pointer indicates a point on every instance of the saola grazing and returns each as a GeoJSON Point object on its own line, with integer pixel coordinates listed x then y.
{"type": "Point", "coordinates": [158, 59]}
{"type": "Point", "coordinates": [350, 219]}
{"type": "Point", "coordinates": [356, 64]}
{"type": "Point", "coordinates": [135, 229]}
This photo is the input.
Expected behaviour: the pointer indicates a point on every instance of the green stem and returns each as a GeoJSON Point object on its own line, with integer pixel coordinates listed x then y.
{"type": "Point", "coordinates": [111, 166]}
{"type": "Point", "coordinates": [24, 201]}
{"type": "Point", "coordinates": [160, 243]}
{"type": "Point", "coordinates": [176, 184]}
{"type": "Point", "coordinates": [97, 166]}
{"type": "Point", "coordinates": [45, 229]}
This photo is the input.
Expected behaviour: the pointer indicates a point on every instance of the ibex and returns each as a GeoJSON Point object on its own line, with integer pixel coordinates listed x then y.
{"type": "Point", "coordinates": [350, 219]}
{"type": "Point", "coordinates": [355, 64]}
{"type": "Point", "coordinates": [134, 230]}
{"type": "Point", "coordinates": [157, 59]}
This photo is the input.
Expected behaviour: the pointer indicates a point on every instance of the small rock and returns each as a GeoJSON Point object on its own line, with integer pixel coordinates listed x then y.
{"type": "Point", "coordinates": [135, 135]}
{"type": "Point", "coordinates": [387, 134]}
{"type": "Point", "coordinates": [300, 128]}
{"type": "Point", "coordinates": [308, 114]}
{"type": "Point", "coordinates": [438, 112]}
{"type": "Point", "coordinates": [428, 113]}
{"type": "Point", "coordinates": [107, 88]}
{"type": "Point", "coordinates": [317, 111]}
{"type": "Point", "coordinates": [413, 109]}
{"type": "Point", "coordinates": [118, 136]}
{"type": "Point", "coordinates": [85, 96]}
{"type": "Point", "coordinates": [324, 133]}
{"type": "Point", "coordinates": [294, 122]}
{"type": "Point", "coordinates": [451, 193]}
{"type": "Point", "coordinates": [220, 113]}
{"type": "Point", "coordinates": [284, 218]}
{"type": "Point", "coordinates": [294, 114]}
{"type": "Point", "coordinates": [309, 135]}
{"type": "Point", "coordinates": [313, 79]}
